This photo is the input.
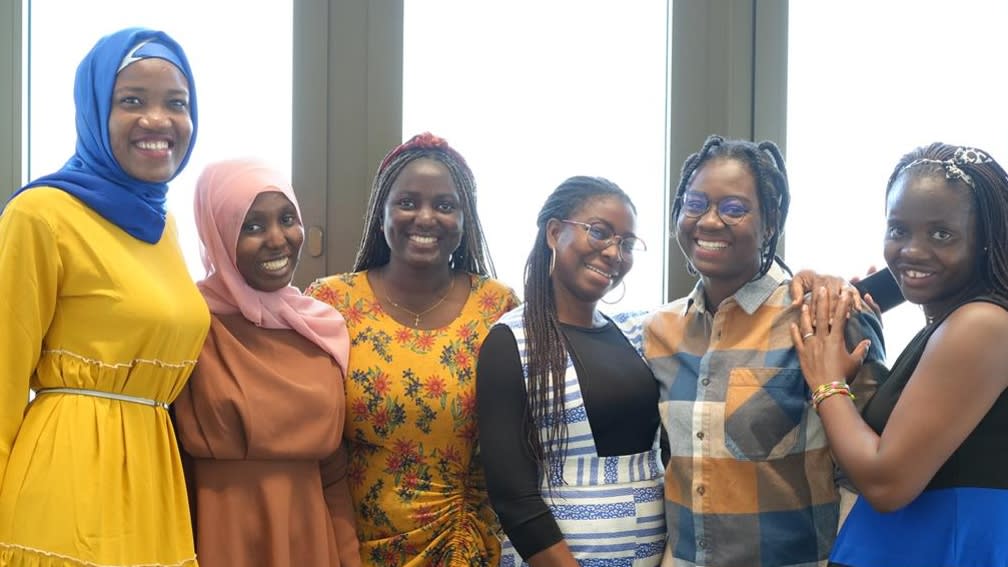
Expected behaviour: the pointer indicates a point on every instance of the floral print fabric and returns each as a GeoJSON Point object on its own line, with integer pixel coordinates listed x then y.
{"type": "Point", "coordinates": [414, 474]}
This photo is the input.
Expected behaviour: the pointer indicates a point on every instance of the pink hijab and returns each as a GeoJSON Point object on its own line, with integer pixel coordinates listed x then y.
{"type": "Point", "coordinates": [224, 193]}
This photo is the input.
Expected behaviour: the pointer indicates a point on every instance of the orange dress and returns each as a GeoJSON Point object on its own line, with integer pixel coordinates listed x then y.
{"type": "Point", "coordinates": [261, 420]}
{"type": "Point", "coordinates": [415, 477]}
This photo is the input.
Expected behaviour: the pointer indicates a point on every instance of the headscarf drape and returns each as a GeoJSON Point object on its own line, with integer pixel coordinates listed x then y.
{"type": "Point", "coordinates": [224, 193]}
{"type": "Point", "coordinates": [93, 175]}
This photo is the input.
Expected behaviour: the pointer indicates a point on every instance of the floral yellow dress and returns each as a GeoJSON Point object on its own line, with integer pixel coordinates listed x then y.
{"type": "Point", "coordinates": [415, 476]}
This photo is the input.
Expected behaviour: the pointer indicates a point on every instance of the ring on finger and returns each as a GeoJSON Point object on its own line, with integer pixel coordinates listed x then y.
{"type": "Point", "coordinates": [807, 335]}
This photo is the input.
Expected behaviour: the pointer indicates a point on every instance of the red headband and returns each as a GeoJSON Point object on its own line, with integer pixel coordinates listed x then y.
{"type": "Point", "coordinates": [423, 141]}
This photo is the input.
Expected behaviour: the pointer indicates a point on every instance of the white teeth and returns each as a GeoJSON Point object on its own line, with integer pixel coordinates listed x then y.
{"type": "Point", "coordinates": [711, 245]}
{"type": "Point", "coordinates": [275, 265]}
{"type": "Point", "coordinates": [158, 145]}
{"type": "Point", "coordinates": [915, 274]}
{"type": "Point", "coordinates": [423, 239]}
{"type": "Point", "coordinates": [598, 271]}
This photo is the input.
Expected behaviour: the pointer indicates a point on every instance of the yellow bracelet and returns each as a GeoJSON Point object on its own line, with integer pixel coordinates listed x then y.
{"type": "Point", "coordinates": [829, 386]}
{"type": "Point", "coordinates": [826, 390]}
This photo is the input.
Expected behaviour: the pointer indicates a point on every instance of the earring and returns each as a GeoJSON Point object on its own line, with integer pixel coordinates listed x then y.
{"type": "Point", "coordinates": [622, 295]}
{"type": "Point", "coordinates": [552, 260]}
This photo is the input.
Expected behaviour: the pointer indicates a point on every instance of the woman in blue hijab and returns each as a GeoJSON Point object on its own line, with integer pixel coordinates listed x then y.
{"type": "Point", "coordinates": [101, 319]}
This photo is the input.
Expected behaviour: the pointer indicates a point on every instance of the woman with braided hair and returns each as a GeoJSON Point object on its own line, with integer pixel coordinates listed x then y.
{"type": "Point", "coordinates": [750, 479]}
{"type": "Point", "coordinates": [929, 453]}
{"type": "Point", "coordinates": [417, 306]}
{"type": "Point", "coordinates": [568, 409]}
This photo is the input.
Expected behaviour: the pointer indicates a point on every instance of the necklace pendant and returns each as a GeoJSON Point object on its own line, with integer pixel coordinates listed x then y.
{"type": "Point", "coordinates": [416, 322]}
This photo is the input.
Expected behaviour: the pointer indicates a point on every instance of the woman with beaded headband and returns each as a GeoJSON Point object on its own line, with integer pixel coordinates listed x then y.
{"type": "Point", "coordinates": [101, 319]}
{"type": "Point", "coordinates": [750, 479]}
{"type": "Point", "coordinates": [568, 408]}
{"type": "Point", "coordinates": [928, 453]}
{"type": "Point", "coordinates": [418, 304]}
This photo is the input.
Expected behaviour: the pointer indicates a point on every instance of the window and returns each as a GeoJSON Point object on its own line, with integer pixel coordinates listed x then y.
{"type": "Point", "coordinates": [534, 92]}
{"type": "Point", "coordinates": [867, 82]}
{"type": "Point", "coordinates": [242, 71]}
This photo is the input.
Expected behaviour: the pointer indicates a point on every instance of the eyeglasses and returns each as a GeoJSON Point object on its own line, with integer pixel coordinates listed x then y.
{"type": "Point", "coordinates": [731, 210]}
{"type": "Point", "coordinates": [600, 237]}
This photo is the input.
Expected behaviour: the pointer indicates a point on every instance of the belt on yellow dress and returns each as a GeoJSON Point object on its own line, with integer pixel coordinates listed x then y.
{"type": "Point", "coordinates": [103, 394]}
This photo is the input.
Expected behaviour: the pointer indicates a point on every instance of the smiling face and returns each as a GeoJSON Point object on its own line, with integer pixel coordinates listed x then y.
{"type": "Point", "coordinates": [930, 242]}
{"type": "Point", "coordinates": [582, 273]}
{"type": "Point", "coordinates": [726, 256]}
{"type": "Point", "coordinates": [423, 217]}
{"type": "Point", "coordinates": [269, 242]}
{"type": "Point", "coordinates": [149, 126]}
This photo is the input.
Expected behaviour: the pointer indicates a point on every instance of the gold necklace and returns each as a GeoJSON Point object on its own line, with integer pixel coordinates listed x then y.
{"type": "Point", "coordinates": [417, 316]}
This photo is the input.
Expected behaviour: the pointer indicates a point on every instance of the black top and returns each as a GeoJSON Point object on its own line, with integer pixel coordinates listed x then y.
{"type": "Point", "coordinates": [982, 459]}
{"type": "Point", "coordinates": [620, 397]}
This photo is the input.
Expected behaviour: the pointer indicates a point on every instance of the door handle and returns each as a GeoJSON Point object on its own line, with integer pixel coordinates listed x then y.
{"type": "Point", "coordinates": [315, 240]}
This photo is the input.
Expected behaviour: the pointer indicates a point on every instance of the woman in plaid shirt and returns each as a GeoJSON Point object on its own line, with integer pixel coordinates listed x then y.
{"type": "Point", "coordinates": [751, 480]}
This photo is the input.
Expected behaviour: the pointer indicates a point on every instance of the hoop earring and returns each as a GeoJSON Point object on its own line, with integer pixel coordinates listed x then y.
{"type": "Point", "coordinates": [622, 295]}
{"type": "Point", "coordinates": [552, 261]}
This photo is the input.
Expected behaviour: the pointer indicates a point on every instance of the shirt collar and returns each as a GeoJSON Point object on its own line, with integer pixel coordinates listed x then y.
{"type": "Point", "coordinates": [750, 296]}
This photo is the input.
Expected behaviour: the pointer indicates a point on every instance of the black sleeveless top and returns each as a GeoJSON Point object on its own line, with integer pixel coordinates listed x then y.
{"type": "Point", "coordinates": [982, 459]}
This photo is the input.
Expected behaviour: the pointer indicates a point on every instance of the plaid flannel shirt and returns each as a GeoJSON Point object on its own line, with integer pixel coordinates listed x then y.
{"type": "Point", "coordinates": [751, 481]}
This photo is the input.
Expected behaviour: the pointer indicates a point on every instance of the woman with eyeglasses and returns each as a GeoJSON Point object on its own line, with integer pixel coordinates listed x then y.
{"type": "Point", "coordinates": [568, 409]}
{"type": "Point", "coordinates": [751, 480]}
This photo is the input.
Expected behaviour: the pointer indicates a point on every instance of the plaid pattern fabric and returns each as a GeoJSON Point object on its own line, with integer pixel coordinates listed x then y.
{"type": "Point", "coordinates": [751, 481]}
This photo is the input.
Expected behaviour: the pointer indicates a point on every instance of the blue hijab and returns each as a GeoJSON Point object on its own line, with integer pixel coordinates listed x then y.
{"type": "Point", "coordinates": [93, 175]}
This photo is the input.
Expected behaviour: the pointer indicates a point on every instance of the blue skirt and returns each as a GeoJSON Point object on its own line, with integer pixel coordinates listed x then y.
{"type": "Point", "coordinates": [955, 527]}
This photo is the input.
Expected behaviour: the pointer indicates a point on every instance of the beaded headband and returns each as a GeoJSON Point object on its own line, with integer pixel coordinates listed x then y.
{"type": "Point", "coordinates": [962, 156]}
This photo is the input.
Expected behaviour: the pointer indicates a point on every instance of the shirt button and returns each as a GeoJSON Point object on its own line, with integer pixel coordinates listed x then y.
{"type": "Point", "coordinates": [700, 490]}
{"type": "Point", "coordinates": [699, 435]}
{"type": "Point", "coordinates": [702, 543]}
{"type": "Point", "coordinates": [705, 381]}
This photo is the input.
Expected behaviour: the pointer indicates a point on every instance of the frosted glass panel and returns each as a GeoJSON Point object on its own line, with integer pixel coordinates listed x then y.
{"type": "Point", "coordinates": [867, 82]}
{"type": "Point", "coordinates": [533, 92]}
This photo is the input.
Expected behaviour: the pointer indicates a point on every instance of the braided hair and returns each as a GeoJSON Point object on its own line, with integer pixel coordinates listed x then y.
{"type": "Point", "coordinates": [765, 162]}
{"type": "Point", "coordinates": [472, 254]}
{"type": "Point", "coordinates": [987, 182]}
{"type": "Point", "coordinates": [544, 343]}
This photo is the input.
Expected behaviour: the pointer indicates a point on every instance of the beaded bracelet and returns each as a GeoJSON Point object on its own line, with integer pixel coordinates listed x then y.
{"type": "Point", "coordinates": [826, 390]}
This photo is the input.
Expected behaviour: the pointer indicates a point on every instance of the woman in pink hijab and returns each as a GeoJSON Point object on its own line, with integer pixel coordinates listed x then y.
{"type": "Point", "coordinates": [262, 414]}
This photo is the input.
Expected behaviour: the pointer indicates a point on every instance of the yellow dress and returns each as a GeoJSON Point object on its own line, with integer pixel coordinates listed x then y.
{"type": "Point", "coordinates": [90, 481]}
{"type": "Point", "coordinates": [414, 474]}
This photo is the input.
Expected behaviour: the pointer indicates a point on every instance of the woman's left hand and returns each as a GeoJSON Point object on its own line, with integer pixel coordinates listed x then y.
{"type": "Point", "coordinates": [819, 339]}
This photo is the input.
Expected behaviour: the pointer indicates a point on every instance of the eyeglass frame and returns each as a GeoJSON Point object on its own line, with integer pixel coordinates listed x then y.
{"type": "Point", "coordinates": [730, 221]}
{"type": "Point", "coordinates": [617, 239]}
